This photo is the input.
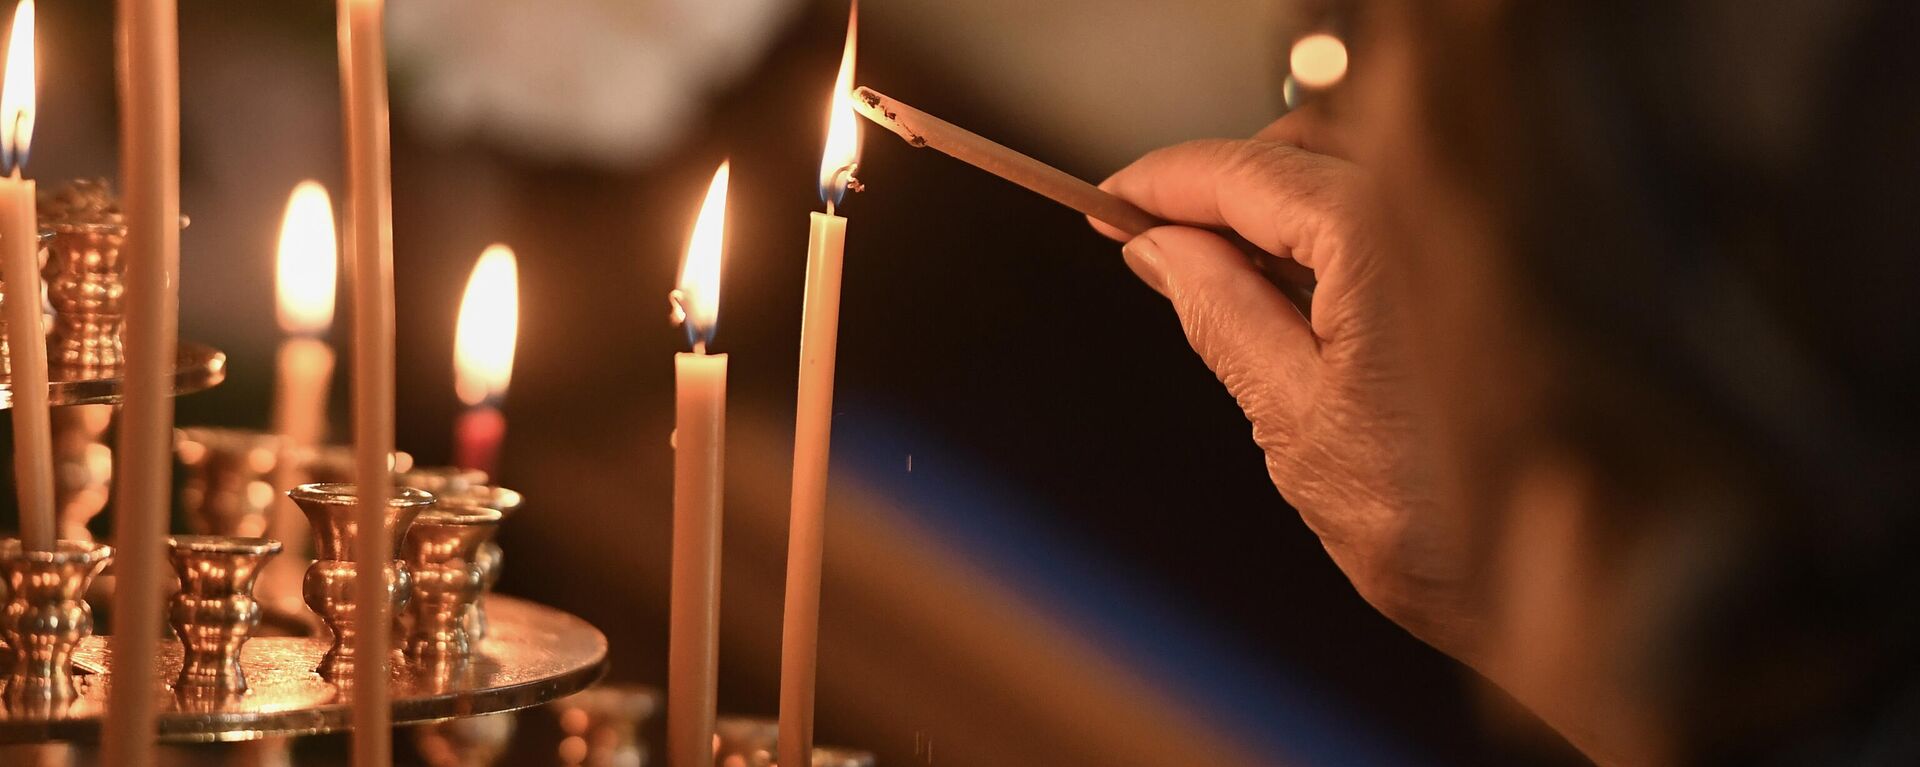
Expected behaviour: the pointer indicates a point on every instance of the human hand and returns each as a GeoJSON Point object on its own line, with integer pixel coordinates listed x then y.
{"type": "Point", "coordinates": [1330, 399]}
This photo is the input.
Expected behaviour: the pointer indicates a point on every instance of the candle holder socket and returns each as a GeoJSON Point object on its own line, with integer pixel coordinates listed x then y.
{"type": "Point", "coordinates": [46, 616]}
{"type": "Point", "coordinates": [490, 557]}
{"type": "Point", "coordinates": [330, 581]}
{"type": "Point", "coordinates": [229, 485]}
{"type": "Point", "coordinates": [440, 554]}
{"type": "Point", "coordinates": [214, 612]}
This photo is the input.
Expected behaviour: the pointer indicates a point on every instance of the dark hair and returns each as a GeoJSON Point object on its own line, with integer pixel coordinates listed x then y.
{"type": "Point", "coordinates": [1713, 208]}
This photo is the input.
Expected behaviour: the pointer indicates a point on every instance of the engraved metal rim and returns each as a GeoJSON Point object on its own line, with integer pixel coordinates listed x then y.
{"type": "Point", "coordinates": [458, 515]}
{"type": "Point", "coordinates": [198, 368]}
{"type": "Point", "coordinates": [342, 494]}
{"type": "Point", "coordinates": [224, 544]}
{"type": "Point", "coordinates": [65, 552]}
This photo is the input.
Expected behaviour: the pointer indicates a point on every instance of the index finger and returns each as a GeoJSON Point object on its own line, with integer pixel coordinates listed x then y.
{"type": "Point", "coordinates": [1284, 200]}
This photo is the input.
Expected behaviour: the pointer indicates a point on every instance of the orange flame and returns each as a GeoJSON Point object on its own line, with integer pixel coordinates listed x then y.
{"type": "Point", "coordinates": [307, 267]}
{"type": "Point", "coordinates": [485, 335]}
{"type": "Point", "coordinates": [842, 153]}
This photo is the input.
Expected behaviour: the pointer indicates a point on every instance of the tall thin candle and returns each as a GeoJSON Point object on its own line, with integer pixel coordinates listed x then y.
{"type": "Point", "coordinates": [699, 450]}
{"type": "Point", "coordinates": [150, 166]}
{"type": "Point", "coordinates": [20, 266]}
{"type": "Point", "coordinates": [813, 420]}
{"type": "Point", "coordinates": [363, 77]}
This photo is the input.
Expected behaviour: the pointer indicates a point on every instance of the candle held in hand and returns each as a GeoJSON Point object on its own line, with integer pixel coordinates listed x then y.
{"type": "Point", "coordinates": [813, 419]}
{"type": "Point", "coordinates": [699, 447]}
{"type": "Point", "coordinates": [483, 344]}
{"type": "Point", "coordinates": [20, 267]}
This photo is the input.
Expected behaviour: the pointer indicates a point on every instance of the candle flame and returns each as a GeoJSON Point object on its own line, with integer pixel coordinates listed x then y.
{"type": "Point", "coordinates": [304, 275]}
{"type": "Point", "coordinates": [16, 92]}
{"type": "Point", "coordinates": [484, 337]}
{"type": "Point", "coordinates": [842, 155]}
{"type": "Point", "coordinates": [697, 300]}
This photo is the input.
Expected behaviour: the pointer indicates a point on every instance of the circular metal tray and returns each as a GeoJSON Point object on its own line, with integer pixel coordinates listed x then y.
{"type": "Point", "coordinates": [531, 655]}
{"type": "Point", "coordinates": [199, 368]}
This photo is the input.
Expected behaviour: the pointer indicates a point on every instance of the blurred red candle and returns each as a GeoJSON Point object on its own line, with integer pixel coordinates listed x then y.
{"type": "Point", "coordinates": [483, 344]}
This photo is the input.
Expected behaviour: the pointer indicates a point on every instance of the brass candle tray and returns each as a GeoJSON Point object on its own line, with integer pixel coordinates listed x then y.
{"type": "Point", "coordinates": [199, 368]}
{"type": "Point", "coordinates": [531, 655]}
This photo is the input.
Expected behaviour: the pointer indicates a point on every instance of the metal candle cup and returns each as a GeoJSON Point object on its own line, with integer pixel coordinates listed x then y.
{"type": "Point", "coordinates": [45, 618]}
{"type": "Point", "coordinates": [330, 581]}
{"type": "Point", "coordinates": [229, 489]}
{"type": "Point", "coordinates": [467, 487]}
{"type": "Point", "coordinates": [214, 612]}
{"type": "Point", "coordinates": [440, 553]}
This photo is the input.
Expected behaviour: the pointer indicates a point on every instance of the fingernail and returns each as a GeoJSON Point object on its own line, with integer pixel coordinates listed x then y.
{"type": "Point", "coordinates": [1142, 255]}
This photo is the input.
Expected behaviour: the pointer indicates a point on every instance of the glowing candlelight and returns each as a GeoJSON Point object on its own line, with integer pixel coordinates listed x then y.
{"type": "Point", "coordinates": [304, 273]}
{"type": "Point", "coordinates": [813, 420]}
{"type": "Point", "coordinates": [305, 283]}
{"type": "Point", "coordinates": [699, 449]}
{"type": "Point", "coordinates": [27, 348]}
{"type": "Point", "coordinates": [483, 344]}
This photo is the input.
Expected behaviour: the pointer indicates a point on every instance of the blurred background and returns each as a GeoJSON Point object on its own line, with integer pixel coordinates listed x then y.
{"type": "Point", "coordinates": [1051, 538]}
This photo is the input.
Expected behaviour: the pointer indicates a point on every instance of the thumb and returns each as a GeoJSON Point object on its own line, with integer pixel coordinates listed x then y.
{"type": "Point", "coordinates": [1252, 338]}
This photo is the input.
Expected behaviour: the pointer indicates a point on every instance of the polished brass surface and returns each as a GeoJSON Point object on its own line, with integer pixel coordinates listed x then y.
{"type": "Point", "coordinates": [85, 284]}
{"type": "Point", "coordinates": [535, 655]}
{"type": "Point", "coordinates": [490, 557]}
{"type": "Point", "coordinates": [46, 616]}
{"type": "Point", "coordinates": [440, 551]}
{"type": "Point", "coordinates": [228, 489]}
{"type": "Point", "coordinates": [196, 368]}
{"type": "Point", "coordinates": [330, 508]}
{"type": "Point", "coordinates": [750, 742]}
{"type": "Point", "coordinates": [214, 612]}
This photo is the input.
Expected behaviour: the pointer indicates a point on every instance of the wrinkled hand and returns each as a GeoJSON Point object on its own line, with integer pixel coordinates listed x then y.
{"type": "Point", "coordinates": [1330, 400]}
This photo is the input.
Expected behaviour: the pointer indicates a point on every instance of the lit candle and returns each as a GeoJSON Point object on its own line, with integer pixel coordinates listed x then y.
{"type": "Point", "coordinates": [305, 276]}
{"type": "Point", "coordinates": [363, 77]}
{"type": "Point", "coordinates": [27, 348]}
{"type": "Point", "coordinates": [699, 445]}
{"type": "Point", "coordinates": [813, 420]}
{"type": "Point", "coordinates": [150, 174]}
{"type": "Point", "coordinates": [483, 343]}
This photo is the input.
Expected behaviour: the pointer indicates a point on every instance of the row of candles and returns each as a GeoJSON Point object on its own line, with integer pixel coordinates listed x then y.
{"type": "Point", "coordinates": [699, 446]}
{"type": "Point", "coordinates": [148, 59]}
{"type": "Point", "coordinates": [150, 161]}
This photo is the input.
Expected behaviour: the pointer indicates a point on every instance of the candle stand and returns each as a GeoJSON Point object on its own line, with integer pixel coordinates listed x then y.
{"type": "Point", "coordinates": [229, 677]}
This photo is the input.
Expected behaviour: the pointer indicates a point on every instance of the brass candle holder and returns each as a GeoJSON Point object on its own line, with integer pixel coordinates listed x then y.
{"type": "Point", "coordinates": [440, 554]}
{"type": "Point", "coordinates": [330, 509]}
{"type": "Point", "coordinates": [741, 741]}
{"type": "Point", "coordinates": [229, 489]}
{"type": "Point", "coordinates": [214, 612]}
{"type": "Point", "coordinates": [82, 234]}
{"type": "Point", "coordinates": [46, 616]}
{"type": "Point", "coordinates": [468, 487]}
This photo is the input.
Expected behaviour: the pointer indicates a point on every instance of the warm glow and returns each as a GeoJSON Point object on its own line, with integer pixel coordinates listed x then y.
{"type": "Point", "coordinates": [16, 94]}
{"type": "Point", "coordinates": [1319, 60]}
{"type": "Point", "coordinates": [843, 129]}
{"type": "Point", "coordinates": [305, 275]}
{"type": "Point", "coordinates": [489, 323]}
{"type": "Point", "coordinates": [697, 302]}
